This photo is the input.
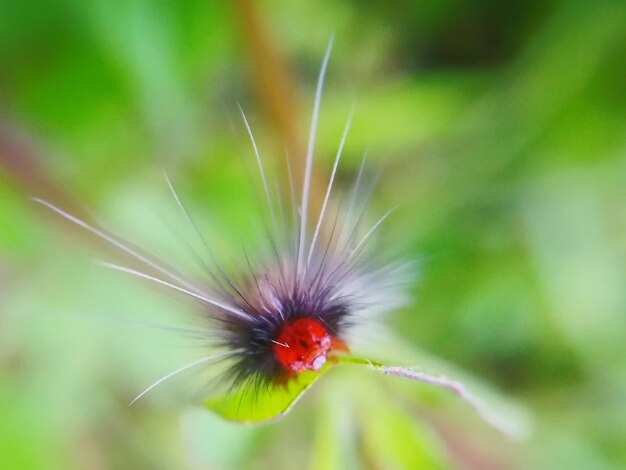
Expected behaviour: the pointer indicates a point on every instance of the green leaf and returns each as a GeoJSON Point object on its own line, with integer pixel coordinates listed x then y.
{"type": "Point", "coordinates": [250, 404]}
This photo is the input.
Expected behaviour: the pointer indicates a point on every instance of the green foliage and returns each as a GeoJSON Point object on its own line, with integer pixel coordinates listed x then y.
{"type": "Point", "coordinates": [499, 126]}
{"type": "Point", "coordinates": [259, 404]}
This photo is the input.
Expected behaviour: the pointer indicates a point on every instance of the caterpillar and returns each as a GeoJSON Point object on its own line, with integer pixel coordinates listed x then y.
{"type": "Point", "coordinates": [293, 312]}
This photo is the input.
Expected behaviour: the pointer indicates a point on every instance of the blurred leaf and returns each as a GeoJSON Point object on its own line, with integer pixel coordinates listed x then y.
{"type": "Point", "coordinates": [501, 412]}
{"type": "Point", "coordinates": [394, 439]}
{"type": "Point", "coordinates": [334, 446]}
{"type": "Point", "coordinates": [26, 441]}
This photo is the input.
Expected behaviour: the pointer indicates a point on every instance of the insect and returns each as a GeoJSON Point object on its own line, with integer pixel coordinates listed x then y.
{"type": "Point", "coordinates": [291, 313]}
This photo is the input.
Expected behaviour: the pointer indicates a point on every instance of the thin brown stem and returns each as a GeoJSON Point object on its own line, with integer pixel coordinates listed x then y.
{"type": "Point", "coordinates": [274, 85]}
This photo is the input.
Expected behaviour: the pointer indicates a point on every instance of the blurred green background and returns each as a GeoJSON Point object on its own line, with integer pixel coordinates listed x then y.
{"type": "Point", "coordinates": [499, 126]}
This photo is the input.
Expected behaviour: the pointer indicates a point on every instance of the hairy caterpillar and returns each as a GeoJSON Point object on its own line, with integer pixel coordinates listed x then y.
{"type": "Point", "coordinates": [293, 313]}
